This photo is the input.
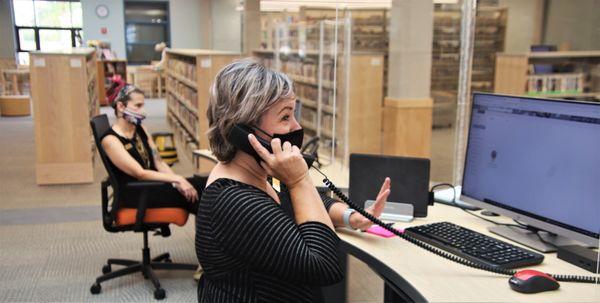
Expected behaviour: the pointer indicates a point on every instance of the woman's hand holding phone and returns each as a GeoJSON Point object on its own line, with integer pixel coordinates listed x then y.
{"type": "Point", "coordinates": [285, 163]}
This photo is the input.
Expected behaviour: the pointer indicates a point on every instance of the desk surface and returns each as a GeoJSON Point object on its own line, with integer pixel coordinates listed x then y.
{"type": "Point", "coordinates": [425, 276]}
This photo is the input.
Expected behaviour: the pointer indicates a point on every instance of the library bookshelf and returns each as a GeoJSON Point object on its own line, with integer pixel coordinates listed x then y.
{"type": "Point", "coordinates": [189, 75]}
{"type": "Point", "coordinates": [65, 96]}
{"type": "Point", "coordinates": [565, 74]}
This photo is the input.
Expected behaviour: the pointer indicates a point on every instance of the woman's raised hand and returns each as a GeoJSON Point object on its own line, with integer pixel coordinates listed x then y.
{"type": "Point", "coordinates": [358, 221]}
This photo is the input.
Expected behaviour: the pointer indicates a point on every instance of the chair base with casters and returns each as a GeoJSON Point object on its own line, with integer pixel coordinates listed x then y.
{"type": "Point", "coordinates": [146, 267]}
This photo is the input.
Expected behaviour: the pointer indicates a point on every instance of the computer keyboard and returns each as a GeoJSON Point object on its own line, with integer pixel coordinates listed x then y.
{"type": "Point", "coordinates": [474, 246]}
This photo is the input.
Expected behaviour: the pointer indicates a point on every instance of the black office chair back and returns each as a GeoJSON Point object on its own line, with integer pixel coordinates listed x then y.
{"type": "Point", "coordinates": [100, 126]}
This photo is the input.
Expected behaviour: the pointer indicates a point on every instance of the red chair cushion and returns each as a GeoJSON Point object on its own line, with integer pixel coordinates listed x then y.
{"type": "Point", "coordinates": [177, 216]}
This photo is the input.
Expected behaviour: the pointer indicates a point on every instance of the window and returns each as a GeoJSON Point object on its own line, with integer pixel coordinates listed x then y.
{"type": "Point", "coordinates": [46, 25]}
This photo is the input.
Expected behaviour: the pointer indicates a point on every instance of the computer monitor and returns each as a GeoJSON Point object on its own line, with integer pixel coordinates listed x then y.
{"type": "Point", "coordinates": [536, 161]}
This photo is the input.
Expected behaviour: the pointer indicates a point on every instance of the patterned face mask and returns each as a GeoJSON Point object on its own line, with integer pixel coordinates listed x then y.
{"type": "Point", "coordinates": [128, 114]}
{"type": "Point", "coordinates": [133, 117]}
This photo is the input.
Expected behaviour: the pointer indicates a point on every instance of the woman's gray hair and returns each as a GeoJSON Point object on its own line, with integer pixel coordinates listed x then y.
{"type": "Point", "coordinates": [242, 91]}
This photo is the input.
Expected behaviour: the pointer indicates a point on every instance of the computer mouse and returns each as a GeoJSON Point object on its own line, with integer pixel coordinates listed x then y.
{"type": "Point", "coordinates": [532, 281]}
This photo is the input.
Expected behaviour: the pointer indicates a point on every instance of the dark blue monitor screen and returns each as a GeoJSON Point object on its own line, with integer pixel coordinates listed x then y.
{"type": "Point", "coordinates": [536, 157]}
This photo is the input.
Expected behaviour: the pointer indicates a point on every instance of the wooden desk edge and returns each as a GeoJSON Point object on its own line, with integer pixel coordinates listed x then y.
{"type": "Point", "coordinates": [382, 270]}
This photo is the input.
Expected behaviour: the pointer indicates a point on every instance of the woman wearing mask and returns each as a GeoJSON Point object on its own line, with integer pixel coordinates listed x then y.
{"type": "Point", "coordinates": [134, 157]}
{"type": "Point", "coordinates": [256, 242]}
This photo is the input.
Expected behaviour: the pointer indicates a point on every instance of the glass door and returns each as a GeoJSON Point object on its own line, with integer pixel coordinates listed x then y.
{"type": "Point", "coordinates": [146, 24]}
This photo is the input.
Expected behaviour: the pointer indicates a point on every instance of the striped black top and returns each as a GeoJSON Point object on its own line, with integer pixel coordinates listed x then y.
{"type": "Point", "coordinates": [253, 251]}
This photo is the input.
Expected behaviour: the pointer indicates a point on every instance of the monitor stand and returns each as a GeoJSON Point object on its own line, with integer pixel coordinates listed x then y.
{"type": "Point", "coordinates": [530, 239]}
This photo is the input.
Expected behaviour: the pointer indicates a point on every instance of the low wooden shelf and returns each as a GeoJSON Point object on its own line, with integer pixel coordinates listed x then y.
{"type": "Point", "coordinates": [514, 69]}
{"type": "Point", "coordinates": [15, 105]}
{"type": "Point", "coordinates": [16, 77]}
{"type": "Point", "coordinates": [65, 97]}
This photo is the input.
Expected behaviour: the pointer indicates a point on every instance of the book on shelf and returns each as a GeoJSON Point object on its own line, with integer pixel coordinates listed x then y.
{"type": "Point", "coordinates": [181, 134]}
{"type": "Point", "coordinates": [182, 91]}
{"type": "Point", "coordinates": [182, 68]}
{"type": "Point", "coordinates": [309, 119]}
{"type": "Point", "coordinates": [555, 83]}
{"type": "Point", "coordinates": [184, 115]}
{"type": "Point", "coordinates": [311, 93]}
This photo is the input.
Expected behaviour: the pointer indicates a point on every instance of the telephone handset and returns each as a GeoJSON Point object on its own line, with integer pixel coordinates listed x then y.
{"type": "Point", "coordinates": [238, 136]}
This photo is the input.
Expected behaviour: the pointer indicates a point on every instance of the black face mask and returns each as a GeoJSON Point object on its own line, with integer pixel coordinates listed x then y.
{"type": "Point", "coordinates": [295, 137]}
{"type": "Point", "coordinates": [238, 137]}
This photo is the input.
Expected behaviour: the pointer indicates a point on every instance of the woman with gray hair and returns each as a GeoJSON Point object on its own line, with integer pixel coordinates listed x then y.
{"type": "Point", "coordinates": [257, 241]}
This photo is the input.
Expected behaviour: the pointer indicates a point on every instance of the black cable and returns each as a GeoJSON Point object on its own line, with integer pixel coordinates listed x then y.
{"type": "Point", "coordinates": [537, 233]}
{"type": "Point", "coordinates": [437, 251]}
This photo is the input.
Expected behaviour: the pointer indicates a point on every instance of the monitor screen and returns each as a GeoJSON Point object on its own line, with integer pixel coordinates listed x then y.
{"type": "Point", "coordinates": [536, 158]}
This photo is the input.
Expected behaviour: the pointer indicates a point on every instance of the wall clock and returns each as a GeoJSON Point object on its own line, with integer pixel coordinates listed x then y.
{"type": "Point", "coordinates": [102, 11]}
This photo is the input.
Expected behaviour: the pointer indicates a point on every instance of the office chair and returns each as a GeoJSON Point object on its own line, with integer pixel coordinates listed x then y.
{"type": "Point", "coordinates": [142, 219]}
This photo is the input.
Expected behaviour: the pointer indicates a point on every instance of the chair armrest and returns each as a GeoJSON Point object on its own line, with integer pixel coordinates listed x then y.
{"type": "Point", "coordinates": [145, 185]}
{"type": "Point", "coordinates": [143, 188]}
{"type": "Point", "coordinates": [106, 217]}
{"type": "Point", "coordinates": [206, 154]}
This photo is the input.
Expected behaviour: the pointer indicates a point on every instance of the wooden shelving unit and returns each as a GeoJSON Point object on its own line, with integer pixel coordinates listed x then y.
{"type": "Point", "coordinates": [370, 33]}
{"type": "Point", "coordinates": [269, 21]}
{"type": "Point", "coordinates": [369, 26]}
{"type": "Point", "coordinates": [107, 69]}
{"type": "Point", "coordinates": [188, 76]}
{"type": "Point", "coordinates": [490, 32]}
{"type": "Point", "coordinates": [515, 72]}
{"type": "Point", "coordinates": [490, 36]}
{"type": "Point", "coordinates": [369, 29]}
{"type": "Point", "coordinates": [65, 96]}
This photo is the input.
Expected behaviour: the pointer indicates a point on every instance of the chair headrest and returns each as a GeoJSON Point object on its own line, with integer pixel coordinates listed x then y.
{"type": "Point", "coordinates": [100, 126]}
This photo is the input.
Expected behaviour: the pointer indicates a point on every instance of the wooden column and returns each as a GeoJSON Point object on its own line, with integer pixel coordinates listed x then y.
{"type": "Point", "coordinates": [407, 108]}
{"type": "Point", "coordinates": [251, 26]}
